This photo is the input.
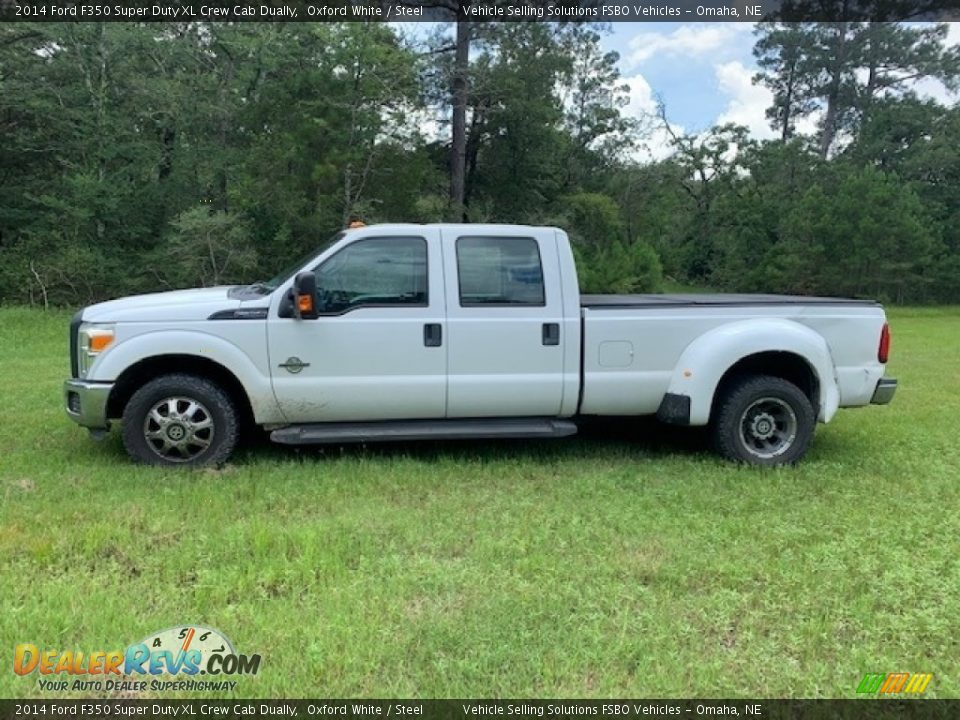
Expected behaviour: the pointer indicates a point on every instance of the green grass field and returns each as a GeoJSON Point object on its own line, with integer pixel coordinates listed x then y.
{"type": "Point", "coordinates": [627, 563]}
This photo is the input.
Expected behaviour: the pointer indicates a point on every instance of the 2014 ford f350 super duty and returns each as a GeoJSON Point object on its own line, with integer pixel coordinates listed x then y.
{"type": "Point", "coordinates": [395, 332]}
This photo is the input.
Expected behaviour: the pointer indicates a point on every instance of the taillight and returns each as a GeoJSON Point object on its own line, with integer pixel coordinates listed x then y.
{"type": "Point", "coordinates": [883, 352]}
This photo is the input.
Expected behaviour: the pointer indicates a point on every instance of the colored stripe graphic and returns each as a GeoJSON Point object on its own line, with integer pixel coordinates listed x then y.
{"type": "Point", "coordinates": [894, 683]}
{"type": "Point", "coordinates": [871, 683]}
{"type": "Point", "coordinates": [918, 683]}
{"type": "Point", "coordinates": [189, 638]}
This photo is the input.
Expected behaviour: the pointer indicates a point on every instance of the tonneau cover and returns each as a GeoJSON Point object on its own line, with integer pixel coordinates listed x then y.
{"type": "Point", "coordinates": [709, 299]}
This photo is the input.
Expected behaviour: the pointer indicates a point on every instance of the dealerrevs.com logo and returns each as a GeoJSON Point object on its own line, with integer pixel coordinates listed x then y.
{"type": "Point", "coordinates": [172, 659]}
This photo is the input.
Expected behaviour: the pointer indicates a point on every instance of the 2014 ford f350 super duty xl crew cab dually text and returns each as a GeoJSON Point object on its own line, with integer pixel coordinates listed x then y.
{"type": "Point", "coordinates": [397, 332]}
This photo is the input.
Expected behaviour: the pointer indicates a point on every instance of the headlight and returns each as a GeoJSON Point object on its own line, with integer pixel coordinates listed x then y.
{"type": "Point", "coordinates": [94, 339]}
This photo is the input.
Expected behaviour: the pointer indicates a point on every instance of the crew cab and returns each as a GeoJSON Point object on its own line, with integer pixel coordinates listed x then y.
{"type": "Point", "coordinates": [402, 332]}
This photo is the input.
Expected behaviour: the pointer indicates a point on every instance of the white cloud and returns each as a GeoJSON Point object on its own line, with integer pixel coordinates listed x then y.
{"type": "Point", "coordinates": [721, 48]}
{"type": "Point", "coordinates": [934, 89]}
{"type": "Point", "coordinates": [692, 40]}
{"type": "Point", "coordinates": [642, 101]}
{"type": "Point", "coordinates": [953, 33]}
{"type": "Point", "coordinates": [808, 124]}
{"type": "Point", "coordinates": [748, 102]}
{"type": "Point", "coordinates": [655, 145]}
{"type": "Point", "coordinates": [432, 127]}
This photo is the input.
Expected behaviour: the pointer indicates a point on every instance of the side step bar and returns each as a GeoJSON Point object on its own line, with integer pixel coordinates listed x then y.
{"type": "Point", "coordinates": [391, 430]}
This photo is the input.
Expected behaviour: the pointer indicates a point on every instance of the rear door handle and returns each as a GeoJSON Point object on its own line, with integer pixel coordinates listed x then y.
{"type": "Point", "coordinates": [432, 335]}
{"type": "Point", "coordinates": [551, 333]}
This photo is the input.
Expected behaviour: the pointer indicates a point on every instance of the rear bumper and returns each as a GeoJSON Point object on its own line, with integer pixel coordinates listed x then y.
{"type": "Point", "coordinates": [86, 403]}
{"type": "Point", "coordinates": [886, 387]}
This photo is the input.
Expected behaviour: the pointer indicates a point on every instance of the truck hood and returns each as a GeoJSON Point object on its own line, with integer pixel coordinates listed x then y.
{"type": "Point", "coordinates": [177, 305]}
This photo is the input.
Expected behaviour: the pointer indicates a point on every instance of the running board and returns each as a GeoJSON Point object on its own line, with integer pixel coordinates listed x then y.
{"type": "Point", "coordinates": [394, 430]}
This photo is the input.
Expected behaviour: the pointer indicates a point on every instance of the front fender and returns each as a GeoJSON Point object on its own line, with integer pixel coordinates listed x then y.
{"type": "Point", "coordinates": [705, 361]}
{"type": "Point", "coordinates": [109, 366]}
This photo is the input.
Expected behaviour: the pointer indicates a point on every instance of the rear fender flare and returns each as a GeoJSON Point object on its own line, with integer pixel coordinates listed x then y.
{"type": "Point", "coordinates": [706, 360]}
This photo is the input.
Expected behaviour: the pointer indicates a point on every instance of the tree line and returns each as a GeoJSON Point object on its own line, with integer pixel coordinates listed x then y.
{"type": "Point", "coordinates": [140, 157]}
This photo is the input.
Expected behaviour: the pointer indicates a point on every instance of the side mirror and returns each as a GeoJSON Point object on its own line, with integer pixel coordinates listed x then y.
{"type": "Point", "coordinates": [305, 296]}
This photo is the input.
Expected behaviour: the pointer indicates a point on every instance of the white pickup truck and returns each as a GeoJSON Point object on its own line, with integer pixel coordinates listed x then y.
{"type": "Point", "coordinates": [399, 332]}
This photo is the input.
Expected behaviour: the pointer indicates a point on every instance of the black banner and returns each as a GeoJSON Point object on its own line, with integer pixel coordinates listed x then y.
{"type": "Point", "coordinates": [476, 10]}
{"type": "Point", "coordinates": [478, 709]}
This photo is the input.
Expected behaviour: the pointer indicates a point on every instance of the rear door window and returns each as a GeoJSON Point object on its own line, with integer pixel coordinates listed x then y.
{"type": "Point", "coordinates": [500, 271]}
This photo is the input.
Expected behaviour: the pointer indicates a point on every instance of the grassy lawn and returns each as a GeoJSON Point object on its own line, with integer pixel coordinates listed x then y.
{"type": "Point", "coordinates": [626, 562]}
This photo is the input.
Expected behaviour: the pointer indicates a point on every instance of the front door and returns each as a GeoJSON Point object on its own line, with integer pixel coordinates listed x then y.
{"type": "Point", "coordinates": [378, 351]}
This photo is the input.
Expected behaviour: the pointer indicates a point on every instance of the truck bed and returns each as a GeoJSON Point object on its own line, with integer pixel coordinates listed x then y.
{"type": "Point", "coordinates": [600, 302]}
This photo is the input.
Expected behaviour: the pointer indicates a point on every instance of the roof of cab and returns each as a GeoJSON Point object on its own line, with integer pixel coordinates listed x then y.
{"type": "Point", "coordinates": [471, 227]}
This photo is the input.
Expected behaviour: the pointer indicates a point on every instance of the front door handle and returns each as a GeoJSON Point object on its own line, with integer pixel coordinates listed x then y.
{"type": "Point", "coordinates": [432, 335]}
{"type": "Point", "coordinates": [551, 333]}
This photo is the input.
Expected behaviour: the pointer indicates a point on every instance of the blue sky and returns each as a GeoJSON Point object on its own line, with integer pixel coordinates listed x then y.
{"type": "Point", "coordinates": [703, 72]}
{"type": "Point", "coordinates": [677, 61]}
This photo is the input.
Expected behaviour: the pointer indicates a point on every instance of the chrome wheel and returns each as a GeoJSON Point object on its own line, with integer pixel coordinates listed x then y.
{"type": "Point", "coordinates": [178, 429]}
{"type": "Point", "coordinates": [768, 427]}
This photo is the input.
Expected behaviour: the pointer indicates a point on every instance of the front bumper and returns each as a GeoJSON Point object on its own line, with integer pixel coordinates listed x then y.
{"type": "Point", "coordinates": [86, 403]}
{"type": "Point", "coordinates": [886, 387]}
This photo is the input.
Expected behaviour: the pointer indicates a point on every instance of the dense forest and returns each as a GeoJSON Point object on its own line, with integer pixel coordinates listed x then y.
{"type": "Point", "coordinates": [138, 157]}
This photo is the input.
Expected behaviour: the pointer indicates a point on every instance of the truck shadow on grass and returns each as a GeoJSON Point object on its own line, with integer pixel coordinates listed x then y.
{"type": "Point", "coordinates": [600, 438]}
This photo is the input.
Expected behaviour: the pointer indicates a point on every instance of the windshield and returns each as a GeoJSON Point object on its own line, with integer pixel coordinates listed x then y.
{"type": "Point", "coordinates": [277, 280]}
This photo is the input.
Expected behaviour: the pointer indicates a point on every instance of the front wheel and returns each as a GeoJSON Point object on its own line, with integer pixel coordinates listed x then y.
{"type": "Point", "coordinates": [181, 421]}
{"type": "Point", "coordinates": [763, 420]}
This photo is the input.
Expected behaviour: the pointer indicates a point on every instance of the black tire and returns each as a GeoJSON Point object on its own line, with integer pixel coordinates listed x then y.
{"type": "Point", "coordinates": [762, 420]}
{"type": "Point", "coordinates": [180, 421]}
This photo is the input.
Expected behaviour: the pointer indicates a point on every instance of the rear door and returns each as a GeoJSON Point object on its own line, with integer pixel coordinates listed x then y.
{"type": "Point", "coordinates": [504, 321]}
